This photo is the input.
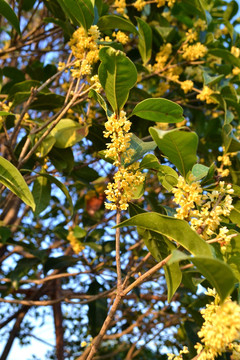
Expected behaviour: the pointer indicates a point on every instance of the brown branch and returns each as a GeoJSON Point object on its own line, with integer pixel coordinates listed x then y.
{"type": "Point", "coordinates": [58, 321]}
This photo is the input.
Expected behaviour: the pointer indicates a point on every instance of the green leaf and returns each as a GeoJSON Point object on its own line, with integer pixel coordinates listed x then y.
{"type": "Point", "coordinates": [14, 181]}
{"type": "Point", "coordinates": [41, 194]}
{"type": "Point", "coordinates": [159, 110]}
{"type": "Point", "coordinates": [211, 80]}
{"type": "Point", "coordinates": [232, 254]}
{"type": "Point", "coordinates": [97, 97]}
{"type": "Point", "coordinates": [167, 177]}
{"type": "Point", "coordinates": [179, 146]}
{"type": "Point", "coordinates": [5, 113]}
{"type": "Point", "coordinates": [81, 12]}
{"type": "Point", "coordinates": [109, 22]}
{"type": "Point", "coordinates": [151, 162]}
{"type": "Point", "coordinates": [145, 40]}
{"type": "Point", "coordinates": [68, 132]}
{"type": "Point", "coordinates": [200, 171]}
{"type": "Point", "coordinates": [235, 213]}
{"type": "Point", "coordinates": [231, 143]}
{"type": "Point", "coordinates": [160, 247]}
{"type": "Point", "coordinates": [225, 55]}
{"type": "Point", "coordinates": [61, 186]}
{"type": "Point", "coordinates": [59, 262]}
{"type": "Point", "coordinates": [175, 229]}
{"type": "Point", "coordinates": [140, 148]}
{"type": "Point", "coordinates": [117, 75]}
{"type": "Point", "coordinates": [5, 234]}
{"type": "Point", "coordinates": [217, 272]}
{"type": "Point", "coordinates": [7, 12]}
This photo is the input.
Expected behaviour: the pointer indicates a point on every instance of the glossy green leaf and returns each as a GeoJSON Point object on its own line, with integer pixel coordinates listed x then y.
{"type": "Point", "coordinates": [5, 113]}
{"type": "Point", "coordinates": [7, 12]}
{"type": "Point", "coordinates": [225, 55]}
{"type": "Point", "coordinates": [211, 80]}
{"type": "Point", "coordinates": [145, 40]}
{"type": "Point", "coordinates": [200, 171]}
{"type": "Point", "coordinates": [231, 143]}
{"type": "Point", "coordinates": [160, 247]}
{"type": "Point", "coordinates": [68, 132]}
{"type": "Point", "coordinates": [117, 75]}
{"type": "Point", "coordinates": [232, 254]}
{"type": "Point", "coordinates": [81, 12]}
{"type": "Point", "coordinates": [180, 147]}
{"type": "Point", "coordinates": [150, 162]}
{"type": "Point", "coordinates": [108, 22]}
{"type": "Point", "coordinates": [97, 97]}
{"type": "Point", "coordinates": [167, 177]}
{"type": "Point", "coordinates": [175, 229]}
{"type": "Point", "coordinates": [14, 181]}
{"type": "Point", "coordinates": [159, 110]}
{"type": "Point", "coordinates": [41, 194]}
{"type": "Point", "coordinates": [61, 186]}
{"type": "Point", "coordinates": [217, 272]}
{"type": "Point", "coordinates": [235, 213]}
{"type": "Point", "coordinates": [140, 148]}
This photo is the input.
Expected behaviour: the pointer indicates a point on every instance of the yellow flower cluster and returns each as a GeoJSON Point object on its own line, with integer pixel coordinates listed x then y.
{"type": "Point", "coordinates": [201, 24]}
{"type": "Point", "coordinates": [120, 6]}
{"type": "Point", "coordinates": [117, 128]}
{"type": "Point", "coordinates": [139, 4]}
{"type": "Point", "coordinates": [204, 210]}
{"type": "Point", "coordinates": [225, 161]}
{"type": "Point", "coordinates": [236, 71]}
{"type": "Point", "coordinates": [194, 52]}
{"type": "Point", "coordinates": [121, 37]}
{"type": "Point", "coordinates": [162, 56]}
{"type": "Point", "coordinates": [178, 357]}
{"type": "Point", "coordinates": [125, 180]}
{"type": "Point", "coordinates": [121, 191]}
{"type": "Point", "coordinates": [220, 329]}
{"type": "Point", "coordinates": [235, 51]}
{"type": "Point", "coordinates": [191, 36]}
{"type": "Point", "coordinates": [205, 95]}
{"type": "Point", "coordinates": [187, 86]}
{"type": "Point", "coordinates": [4, 107]}
{"type": "Point", "coordinates": [76, 245]}
{"type": "Point", "coordinates": [85, 49]}
{"type": "Point", "coordinates": [95, 81]}
{"type": "Point", "coordinates": [194, 73]}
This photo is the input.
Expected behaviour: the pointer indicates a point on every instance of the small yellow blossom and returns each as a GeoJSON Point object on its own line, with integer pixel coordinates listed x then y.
{"type": "Point", "coordinates": [162, 57]}
{"type": "Point", "coordinates": [191, 36]}
{"type": "Point", "coordinates": [194, 52]}
{"type": "Point", "coordinates": [201, 24]}
{"type": "Point", "coordinates": [95, 81]}
{"type": "Point", "coordinates": [236, 71]}
{"type": "Point", "coordinates": [85, 49]}
{"type": "Point", "coordinates": [235, 51]}
{"type": "Point", "coordinates": [171, 3]}
{"type": "Point", "coordinates": [139, 4]}
{"type": "Point", "coordinates": [120, 6]}
{"type": "Point", "coordinates": [220, 329]}
{"type": "Point", "coordinates": [161, 3]}
{"type": "Point", "coordinates": [205, 95]}
{"type": "Point", "coordinates": [121, 37]}
{"type": "Point", "coordinates": [187, 86]}
{"type": "Point", "coordinates": [76, 245]}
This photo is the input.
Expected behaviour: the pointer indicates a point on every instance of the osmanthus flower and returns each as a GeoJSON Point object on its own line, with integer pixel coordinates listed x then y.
{"type": "Point", "coordinates": [121, 37]}
{"type": "Point", "coordinates": [85, 49]}
{"type": "Point", "coordinates": [120, 6]}
{"type": "Point", "coordinates": [139, 4]}
{"type": "Point", "coordinates": [203, 210]}
{"type": "Point", "coordinates": [186, 86]}
{"type": "Point", "coordinates": [205, 95]}
{"type": "Point", "coordinates": [125, 180]}
{"type": "Point", "coordinates": [76, 245]}
{"type": "Point", "coordinates": [194, 52]}
{"type": "Point", "coordinates": [220, 330]}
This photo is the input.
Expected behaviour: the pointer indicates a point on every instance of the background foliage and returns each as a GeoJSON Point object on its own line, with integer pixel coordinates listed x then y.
{"type": "Point", "coordinates": [174, 67]}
